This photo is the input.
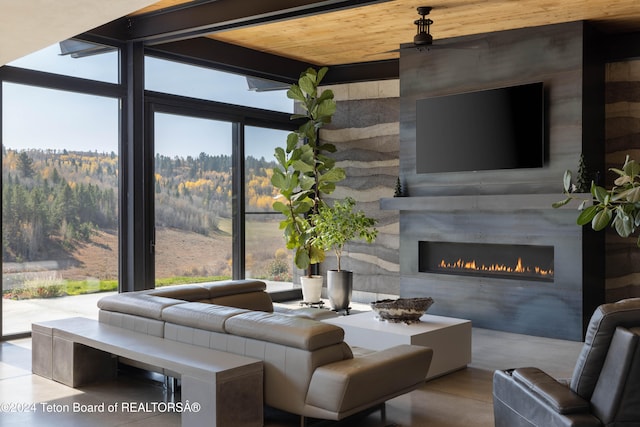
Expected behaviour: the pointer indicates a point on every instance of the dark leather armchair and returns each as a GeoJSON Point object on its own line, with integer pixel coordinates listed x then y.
{"type": "Point", "coordinates": [604, 389]}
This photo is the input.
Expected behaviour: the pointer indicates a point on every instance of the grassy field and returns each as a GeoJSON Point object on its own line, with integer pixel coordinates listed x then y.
{"type": "Point", "coordinates": [181, 257]}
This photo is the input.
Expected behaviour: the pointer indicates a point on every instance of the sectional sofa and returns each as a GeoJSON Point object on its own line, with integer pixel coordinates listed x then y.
{"type": "Point", "coordinates": [308, 369]}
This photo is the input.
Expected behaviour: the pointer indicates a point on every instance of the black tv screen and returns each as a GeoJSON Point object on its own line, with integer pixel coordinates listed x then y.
{"type": "Point", "coordinates": [485, 130]}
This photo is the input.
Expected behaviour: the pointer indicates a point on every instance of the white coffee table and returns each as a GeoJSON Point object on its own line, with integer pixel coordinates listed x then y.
{"type": "Point", "coordinates": [449, 338]}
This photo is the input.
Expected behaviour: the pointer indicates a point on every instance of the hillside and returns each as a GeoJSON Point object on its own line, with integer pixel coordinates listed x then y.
{"type": "Point", "coordinates": [60, 209]}
{"type": "Point", "coordinates": [179, 253]}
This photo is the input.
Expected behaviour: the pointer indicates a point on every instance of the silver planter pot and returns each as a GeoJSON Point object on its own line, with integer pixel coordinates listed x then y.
{"type": "Point", "coordinates": [339, 287]}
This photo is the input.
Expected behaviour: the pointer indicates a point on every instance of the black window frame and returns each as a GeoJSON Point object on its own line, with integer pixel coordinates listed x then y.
{"type": "Point", "coordinates": [136, 155]}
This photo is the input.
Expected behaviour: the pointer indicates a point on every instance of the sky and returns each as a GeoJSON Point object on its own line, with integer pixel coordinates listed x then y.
{"type": "Point", "coordinates": [51, 119]}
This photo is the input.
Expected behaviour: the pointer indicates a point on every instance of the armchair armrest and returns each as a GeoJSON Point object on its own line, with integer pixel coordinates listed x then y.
{"type": "Point", "coordinates": [553, 393]}
{"type": "Point", "coordinates": [370, 379]}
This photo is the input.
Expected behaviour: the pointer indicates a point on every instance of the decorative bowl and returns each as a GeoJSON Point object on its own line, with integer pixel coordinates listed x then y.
{"type": "Point", "coordinates": [406, 310]}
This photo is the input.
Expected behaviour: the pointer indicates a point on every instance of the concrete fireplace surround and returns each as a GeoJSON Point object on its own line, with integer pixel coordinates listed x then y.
{"type": "Point", "coordinates": [508, 206]}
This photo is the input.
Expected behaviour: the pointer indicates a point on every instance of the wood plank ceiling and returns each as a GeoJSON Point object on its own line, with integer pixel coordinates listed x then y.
{"type": "Point", "coordinates": [367, 33]}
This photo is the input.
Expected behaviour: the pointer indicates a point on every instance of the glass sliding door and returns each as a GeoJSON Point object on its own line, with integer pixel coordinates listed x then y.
{"type": "Point", "coordinates": [193, 208]}
{"type": "Point", "coordinates": [266, 256]}
{"type": "Point", "coordinates": [59, 204]}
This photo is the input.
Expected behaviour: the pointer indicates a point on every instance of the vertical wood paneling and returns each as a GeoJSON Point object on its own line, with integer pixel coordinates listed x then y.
{"type": "Point", "coordinates": [622, 126]}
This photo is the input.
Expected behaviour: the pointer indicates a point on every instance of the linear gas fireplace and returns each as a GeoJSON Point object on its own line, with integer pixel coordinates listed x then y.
{"type": "Point", "coordinates": [507, 261]}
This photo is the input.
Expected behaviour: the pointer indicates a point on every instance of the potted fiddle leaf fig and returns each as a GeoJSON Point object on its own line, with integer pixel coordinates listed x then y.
{"type": "Point", "coordinates": [335, 226]}
{"type": "Point", "coordinates": [619, 206]}
{"type": "Point", "coordinates": [303, 174]}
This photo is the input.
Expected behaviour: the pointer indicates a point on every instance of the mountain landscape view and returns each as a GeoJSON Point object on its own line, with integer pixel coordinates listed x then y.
{"type": "Point", "coordinates": [60, 221]}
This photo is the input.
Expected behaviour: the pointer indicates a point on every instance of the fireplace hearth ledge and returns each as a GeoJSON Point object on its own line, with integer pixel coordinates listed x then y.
{"type": "Point", "coordinates": [496, 202]}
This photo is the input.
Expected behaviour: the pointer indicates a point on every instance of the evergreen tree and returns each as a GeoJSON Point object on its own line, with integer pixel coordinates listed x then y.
{"type": "Point", "coordinates": [25, 165]}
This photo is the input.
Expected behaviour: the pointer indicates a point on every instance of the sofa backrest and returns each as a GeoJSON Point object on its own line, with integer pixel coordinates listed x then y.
{"type": "Point", "coordinates": [600, 332]}
{"type": "Point", "coordinates": [247, 294]}
{"type": "Point", "coordinates": [208, 317]}
{"type": "Point", "coordinates": [616, 397]}
{"type": "Point", "coordinates": [298, 332]}
{"type": "Point", "coordinates": [137, 304]}
{"type": "Point", "coordinates": [180, 292]}
{"type": "Point", "coordinates": [244, 294]}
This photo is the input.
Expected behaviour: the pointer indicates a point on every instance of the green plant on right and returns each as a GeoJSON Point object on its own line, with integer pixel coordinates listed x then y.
{"type": "Point", "coordinates": [619, 206]}
{"type": "Point", "coordinates": [337, 225]}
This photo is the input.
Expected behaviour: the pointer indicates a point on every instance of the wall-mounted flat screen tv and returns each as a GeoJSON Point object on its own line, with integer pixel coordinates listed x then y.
{"type": "Point", "coordinates": [493, 129]}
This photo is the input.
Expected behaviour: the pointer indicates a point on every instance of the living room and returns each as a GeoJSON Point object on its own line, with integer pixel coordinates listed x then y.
{"type": "Point", "coordinates": [375, 131]}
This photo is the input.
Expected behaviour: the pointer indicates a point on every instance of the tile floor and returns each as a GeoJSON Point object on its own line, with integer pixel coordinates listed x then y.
{"type": "Point", "coordinates": [460, 399]}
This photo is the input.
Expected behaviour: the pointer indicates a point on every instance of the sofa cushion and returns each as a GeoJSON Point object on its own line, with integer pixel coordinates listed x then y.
{"type": "Point", "coordinates": [137, 303]}
{"type": "Point", "coordinates": [231, 287]}
{"type": "Point", "coordinates": [597, 340]}
{"type": "Point", "coordinates": [182, 292]}
{"type": "Point", "coordinates": [258, 301]}
{"type": "Point", "coordinates": [291, 331]}
{"type": "Point", "coordinates": [209, 317]}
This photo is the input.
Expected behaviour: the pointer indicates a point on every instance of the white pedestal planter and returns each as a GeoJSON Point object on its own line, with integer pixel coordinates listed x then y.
{"type": "Point", "coordinates": [311, 288]}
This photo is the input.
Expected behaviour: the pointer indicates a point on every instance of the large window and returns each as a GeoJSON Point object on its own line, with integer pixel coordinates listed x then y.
{"type": "Point", "coordinates": [64, 238]}
{"type": "Point", "coordinates": [192, 199]}
{"type": "Point", "coordinates": [75, 58]}
{"type": "Point", "coordinates": [213, 85]}
{"type": "Point", "coordinates": [59, 203]}
{"type": "Point", "coordinates": [266, 256]}
{"type": "Point", "coordinates": [194, 196]}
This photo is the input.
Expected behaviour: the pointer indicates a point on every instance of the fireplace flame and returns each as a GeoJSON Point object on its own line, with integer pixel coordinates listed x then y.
{"type": "Point", "coordinates": [473, 266]}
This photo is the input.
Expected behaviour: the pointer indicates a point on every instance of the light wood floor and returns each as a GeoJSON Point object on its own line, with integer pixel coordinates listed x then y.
{"type": "Point", "coordinates": [460, 399]}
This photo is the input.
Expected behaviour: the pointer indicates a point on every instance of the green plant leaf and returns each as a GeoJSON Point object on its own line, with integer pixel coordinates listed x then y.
{"type": "Point", "coordinates": [307, 85]}
{"type": "Point", "coordinates": [292, 141]}
{"type": "Point", "coordinates": [329, 148]}
{"type": "Point", "coordinates": [623, 223]}
{"type": "Point", "coordinates": [294, 92]}
{"type": "Point", "coordinates": [631, 195]}
{"type": "Point", "coordinates": [321, 73]}
{"type": "Point", "coordinates": [280, 207]}
{"type": "Point", "coordinates": [326, 95]}
{"type": "Point", "coordinates": [561, 203]}
{"type": "Point", "coordinates": [278, 179]}
{"type": "Point", "coordinates": [622, 180]}
{"type": "Point", "coordinates": [307, 182]}
{"type": "Point", "coordinates": [599, 193]}
{"type": "Point", "coordinates": [631, 168]}
{"type": "Point", "coordinates": [601, 219]}
{"type": "Point", "coordinates": [327, 187]}
{"type": "Point", "coordinates": [301, 259]}
{"type": "Point", "coordinates": [303, 206]}
{"type": "Point", "coordinates": [325, 110]}
{"type": "Point", "coordinates": [316, 255]}
{"type": "Point", "coordinates": [280, 156]}
{"type": "Point", "coordinates": [302, 166]}
{"type": "Point", "coordinates": [333, 175]}
{"type": "Point", "coordinates": [325, 162]}
{"type": "Point", "coordinates": [618, 171]}
{"type": "Point", "coordinates": [586, 216]}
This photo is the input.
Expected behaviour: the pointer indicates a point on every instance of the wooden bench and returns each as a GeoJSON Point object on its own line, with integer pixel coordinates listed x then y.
{"type": "Point", "coordinates": [228, 388]}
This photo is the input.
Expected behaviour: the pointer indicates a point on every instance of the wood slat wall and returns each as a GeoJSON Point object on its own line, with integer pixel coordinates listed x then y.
{"type": "Point", "coordinates": [622, 126]}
